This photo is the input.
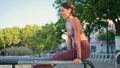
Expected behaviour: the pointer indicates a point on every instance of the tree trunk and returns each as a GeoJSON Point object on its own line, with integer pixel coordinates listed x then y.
{"type": "Point", "coordinates": [117, 25]}
{"type": "Point", "coordinates": [89, 36]}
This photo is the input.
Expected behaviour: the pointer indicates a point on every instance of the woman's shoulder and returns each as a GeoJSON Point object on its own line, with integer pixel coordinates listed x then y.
{"type": "Point", "coordinates": [75, 19]}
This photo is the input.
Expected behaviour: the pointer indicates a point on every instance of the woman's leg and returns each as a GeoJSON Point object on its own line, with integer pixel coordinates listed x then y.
{"type": "Point", "coordinates": [41, 66]}
{"type": "Point", "coordinates": [67, 55]}
{"type": "Point", "coordinates": [85, 52]}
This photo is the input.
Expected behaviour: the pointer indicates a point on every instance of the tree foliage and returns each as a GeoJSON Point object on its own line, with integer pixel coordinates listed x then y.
{"type": "Point", "coordinates": [102, 36]}
{"type": "Point", "coordinates": [46, 39]}
{"type": "Point", "coordinates": [40, 39]}
{"type": "Point", "coordinates": [10, 36]}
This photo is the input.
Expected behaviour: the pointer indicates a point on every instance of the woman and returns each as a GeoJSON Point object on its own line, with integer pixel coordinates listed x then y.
{"type": "Point", "coordinates": [81, 49]}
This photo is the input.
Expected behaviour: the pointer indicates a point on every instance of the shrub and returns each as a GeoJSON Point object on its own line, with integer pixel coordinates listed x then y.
{"type": "Point", "coordinates": [18, 51]}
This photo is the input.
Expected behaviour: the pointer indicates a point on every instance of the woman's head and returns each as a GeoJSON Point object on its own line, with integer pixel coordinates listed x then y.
{"type": "Point", "coordinates": [67, 9]}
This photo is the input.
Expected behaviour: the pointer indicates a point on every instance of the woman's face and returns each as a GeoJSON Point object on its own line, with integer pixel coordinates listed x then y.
{"type": "Point", "coordinates": [65, 12]}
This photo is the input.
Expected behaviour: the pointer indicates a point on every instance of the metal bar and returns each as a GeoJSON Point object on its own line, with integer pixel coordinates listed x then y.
{"type": "Point", "coordinates": [13, 66]}
{"type": "Point", "coordinates": [43, 62]}
{"type": "Point", "coordinates": [52, 66]}
{"type": "Point", "coordinates": [85, 66]}
{"type": "Point", "coordinates": [14, 61]}
{"type": "Point", "coordinates": [88, 63]}
{"type": "Point", "coordinates": [116, 59]}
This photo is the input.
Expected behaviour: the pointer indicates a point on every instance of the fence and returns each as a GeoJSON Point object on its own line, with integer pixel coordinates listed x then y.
{"type": "Point", "coordinates": [101, 57]}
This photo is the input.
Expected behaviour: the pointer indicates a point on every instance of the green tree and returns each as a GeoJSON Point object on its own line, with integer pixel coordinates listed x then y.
{"type": "Point", "coordinates": [114, 14]}
{"type": "Point", "coordinates": [2, 42]}
{"type": "Point", "coordinates": [110, 38]}
{"type": "Point", "coordinates": [27, 32]}
{"type": "Point", "coordinates": [60, 26]}
{"type": "Point", "coordinates": [11, 36]}
{"type": "Point", "coordinates": [102, 36]}
{"type": "Point", "coordinates": [45, 39]}
{"type": "Point", "coordinates": [15, 36]}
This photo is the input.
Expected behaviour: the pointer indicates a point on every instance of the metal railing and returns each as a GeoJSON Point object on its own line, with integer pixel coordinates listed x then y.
{"type": "Point", "coordinates": [101, 57]}
{"type": "Point", "coordinates": [16, 60]}
{"type": "Point", "coordinates": [116, 57]}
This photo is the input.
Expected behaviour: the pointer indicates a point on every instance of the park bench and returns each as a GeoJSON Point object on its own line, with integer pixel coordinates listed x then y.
{"type": "Point", "coordinates": [18, 60]}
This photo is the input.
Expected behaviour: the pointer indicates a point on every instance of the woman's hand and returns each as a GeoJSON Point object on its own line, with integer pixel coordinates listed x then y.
{"type": "Point", "coordinates": [77, 61]}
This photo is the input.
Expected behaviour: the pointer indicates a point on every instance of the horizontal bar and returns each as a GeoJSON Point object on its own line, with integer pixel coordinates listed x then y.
{"type": "Point", "coordinates": [43, 62]}
{"type": "Point", "coordinates": [32, 60]}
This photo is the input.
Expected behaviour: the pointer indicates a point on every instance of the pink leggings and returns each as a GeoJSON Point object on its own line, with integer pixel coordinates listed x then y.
{"type": "Point", "coordinates": [69, 54]}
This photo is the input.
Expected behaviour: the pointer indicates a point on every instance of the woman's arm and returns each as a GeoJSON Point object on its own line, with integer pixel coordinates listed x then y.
{"type": "Point", "coordinates": [69, 42]}
{"type": "Point", "coordinates": [77, 31]}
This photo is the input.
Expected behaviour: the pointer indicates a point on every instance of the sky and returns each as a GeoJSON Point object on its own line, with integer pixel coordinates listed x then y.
{"type": "Point", "coordinates": [26, 12]}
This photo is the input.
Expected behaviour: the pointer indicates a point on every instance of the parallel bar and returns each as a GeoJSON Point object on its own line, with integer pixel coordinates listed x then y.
{"type": "Point", "coordinates": [43, 62]}
{"type": "Point", "coordinates": [8, 62]}
{"type": "Point", "coordinates": [36, 60]}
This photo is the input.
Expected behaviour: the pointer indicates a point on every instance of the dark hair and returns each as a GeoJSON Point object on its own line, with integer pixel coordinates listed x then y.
{"type": "Point", "coordinates": [69, 5]}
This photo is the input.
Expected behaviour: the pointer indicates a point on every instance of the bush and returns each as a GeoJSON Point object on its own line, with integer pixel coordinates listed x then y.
{"type": "Point", "coordinates": [18, 51]}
